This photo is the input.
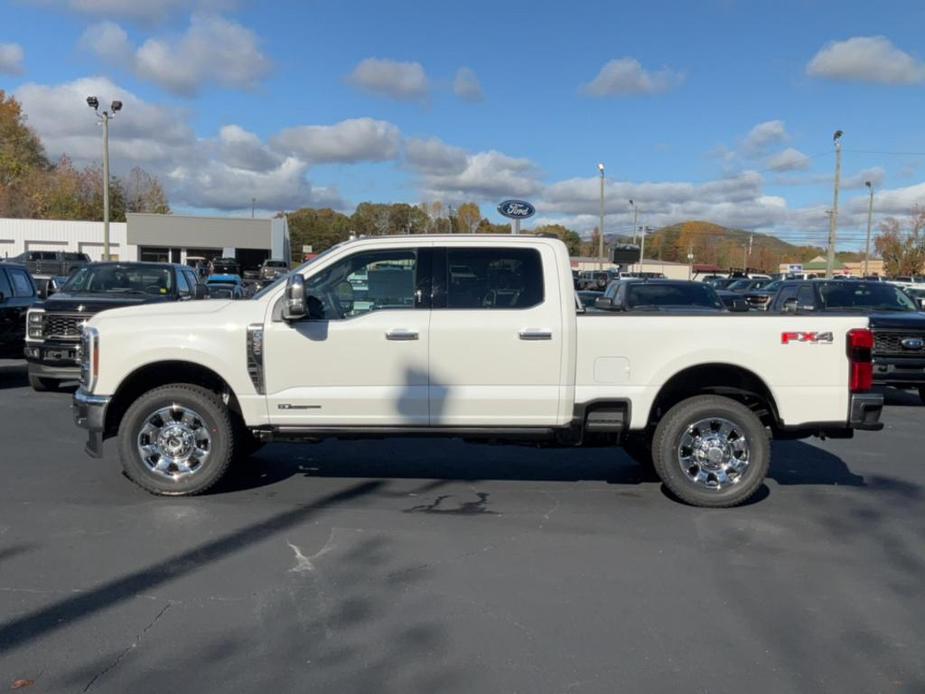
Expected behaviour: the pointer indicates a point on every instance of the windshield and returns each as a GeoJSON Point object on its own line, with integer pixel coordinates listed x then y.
{"type": "Point", "coordinates": [642, 296]}
{"type": "Point", "coordinates": [121, 279]}
{"type": "Point", "coordinates": [867, 296]}
{"type": "Point", "coordinates": [742, 284]}
{"type": "Point", "coordinates": [280, 279]}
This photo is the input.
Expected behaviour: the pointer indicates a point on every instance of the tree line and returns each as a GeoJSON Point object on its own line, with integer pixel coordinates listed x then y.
{"type": "Point", "coordinates": [34, 187]}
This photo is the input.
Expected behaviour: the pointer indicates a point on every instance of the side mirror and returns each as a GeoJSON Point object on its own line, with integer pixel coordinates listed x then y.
{"type": "Point", "coordinates": [739, 306]}
{"type": "Point", "coordinates": [790, 305]}
{"type": "Point", "coordinates": [294, 304]}
{"type": "Point", "coordinates": [604, 302]}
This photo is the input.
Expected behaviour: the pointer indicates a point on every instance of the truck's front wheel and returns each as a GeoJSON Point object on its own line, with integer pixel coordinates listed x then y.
{"type": "Point", "coordinates": [711, 451]}
{"type": "Point", "coordinates": [176, 440]}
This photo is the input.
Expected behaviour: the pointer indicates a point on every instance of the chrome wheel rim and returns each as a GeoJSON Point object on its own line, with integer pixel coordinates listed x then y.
{"type": "Point", "coordinates": [714, 453]}
{"type": "Point", "coordinates": [174, 442]}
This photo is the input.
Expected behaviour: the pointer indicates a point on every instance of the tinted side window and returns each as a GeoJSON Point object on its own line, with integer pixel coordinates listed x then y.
{"type": "Point", "coordinates": [787, 292]}
{"type": "Point", "coordinates": [5, 285]}
{"type": "Point", "coordinates": [806, 298]}
{"type": "Point", "coordinates": [183, 288]}
{"type": "Point", "coordinates": [493, 278]}
{"type": "Point", "coordinates": [22, 285]}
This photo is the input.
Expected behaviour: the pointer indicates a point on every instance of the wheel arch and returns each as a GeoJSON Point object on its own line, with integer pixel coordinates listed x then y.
{"type": "Point", "coordinates": [160, 373]}
{"type": "Point", "coordinates": [729, 380]}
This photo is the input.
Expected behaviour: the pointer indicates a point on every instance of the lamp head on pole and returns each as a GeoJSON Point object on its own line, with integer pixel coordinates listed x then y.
{"type": "Point", "coordinates": [867, 183]}
{"type": "Point", "coordinates": [600, 167]}
{"type": "Point", "coordinates": [93, 102]}
{"type": "Point", "coordinates": [116, 106]}
{"type": "Point", "coordinates": [837, 136]}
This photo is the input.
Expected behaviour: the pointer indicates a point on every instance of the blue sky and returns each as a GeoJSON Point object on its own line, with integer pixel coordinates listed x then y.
{"type": "Point", "coordinates": [721, 110]}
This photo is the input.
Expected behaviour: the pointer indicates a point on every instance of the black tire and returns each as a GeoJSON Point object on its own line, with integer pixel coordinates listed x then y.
{"type": "Point", "coordinates": [922, 394]}
{"type": "Point", "coordinates": [41, 384]}
{"type": "Point", "coordinates": [216, 420]}
{"type": "Point", "coordinates": [668, 438]}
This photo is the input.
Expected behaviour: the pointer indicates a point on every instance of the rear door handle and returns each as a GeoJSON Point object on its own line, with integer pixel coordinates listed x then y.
{"type": "Point", "coordinates": [533, 334]}
{"type": "Point", "coordinates": [401, 334]}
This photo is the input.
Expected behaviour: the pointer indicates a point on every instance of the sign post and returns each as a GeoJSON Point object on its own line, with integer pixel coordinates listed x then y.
{"type": "Point", "coordinates": [515, 210]}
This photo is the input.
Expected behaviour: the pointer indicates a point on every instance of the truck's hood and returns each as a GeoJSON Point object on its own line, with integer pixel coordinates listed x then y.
{"type": "Point", "coordinates": [894, 320]}
{"type": "Point", "coordinates": [94, 303]}
{"type": "Point", "coordinates": [174, 308]}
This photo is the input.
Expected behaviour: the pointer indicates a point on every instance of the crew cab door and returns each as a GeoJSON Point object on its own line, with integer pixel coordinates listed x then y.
{"type": "Point", "coordinates": [496, 336]}
{"type": "Point", "coordinates": [361, 358]}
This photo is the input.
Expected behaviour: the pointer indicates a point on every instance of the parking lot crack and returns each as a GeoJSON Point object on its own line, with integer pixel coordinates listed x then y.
{"type": "Point", "coordinates": [125, 651]}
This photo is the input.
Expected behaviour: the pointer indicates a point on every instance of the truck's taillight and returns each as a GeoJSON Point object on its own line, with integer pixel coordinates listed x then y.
{"type": "Point", "coordinates": [860, 347]}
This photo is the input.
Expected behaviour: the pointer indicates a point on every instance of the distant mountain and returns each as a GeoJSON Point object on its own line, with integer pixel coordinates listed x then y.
{"type": "Point", "coordinates": [728, 248]}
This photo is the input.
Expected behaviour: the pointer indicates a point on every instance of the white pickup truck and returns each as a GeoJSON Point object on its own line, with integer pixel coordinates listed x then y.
{"type": "Point", "coordinates": [478, 337]}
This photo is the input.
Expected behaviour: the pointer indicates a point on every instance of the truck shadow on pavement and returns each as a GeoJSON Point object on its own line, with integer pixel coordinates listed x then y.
{"type": "Point", "coordinates": [13, 375]}
{"type": "Point", "coordinates": [792, 463]}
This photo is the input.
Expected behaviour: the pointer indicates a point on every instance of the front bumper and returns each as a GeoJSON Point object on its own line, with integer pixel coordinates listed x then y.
{"type": "Point", "coordinates": [865, 410]}
{"type": "Point", "coordinates": [899, 372]}
{"type": "Point", "coordinates": [53, 359]}
{"type": "Point", "coordinates": [90, 413]}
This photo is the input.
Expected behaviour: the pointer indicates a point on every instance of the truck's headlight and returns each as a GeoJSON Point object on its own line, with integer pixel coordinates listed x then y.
{"type": "Point", "coordinates": [89, 358]}
{"type": "Point", "coordinates": [35, 324]}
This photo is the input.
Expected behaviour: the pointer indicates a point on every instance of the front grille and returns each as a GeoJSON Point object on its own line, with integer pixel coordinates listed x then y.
{"type": "Point", "coordinates": [891, 343]}
{"type": "Point", "coordinates": [63, 326]}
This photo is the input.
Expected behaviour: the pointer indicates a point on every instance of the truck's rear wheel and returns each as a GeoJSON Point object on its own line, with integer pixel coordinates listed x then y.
{"type": "Point", "coordinates": [176, 440]}
{"type": "Point", "coordinates": [711, 451]}
{"type": "Point", "coordinates": [922, 394]}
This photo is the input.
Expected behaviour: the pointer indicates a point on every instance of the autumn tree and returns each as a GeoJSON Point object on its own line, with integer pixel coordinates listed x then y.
{"type": "Point", "coordinates": [319, 229]}
{"type": "Point", "coordinates": [903, 251]}
{"type": "Point", "coordinates": [570, 238]}
{"type": "Point", "coordinates": [143, 193]}
{"type": "Point", "coordinates": [468, 217]}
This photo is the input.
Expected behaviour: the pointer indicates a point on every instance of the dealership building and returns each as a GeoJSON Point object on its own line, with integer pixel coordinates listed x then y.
{"type": "Point", "coordinates": [154, 237]}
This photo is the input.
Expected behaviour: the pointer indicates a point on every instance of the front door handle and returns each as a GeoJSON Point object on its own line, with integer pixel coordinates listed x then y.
{"type": "Point", "coordinates": [401, 334]}
{"type": "Point", "coordinates": [532, 334]}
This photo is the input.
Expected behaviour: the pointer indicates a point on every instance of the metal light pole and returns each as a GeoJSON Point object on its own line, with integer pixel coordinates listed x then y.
{"type": "Point", "coordinates": [104, 117]}
{"type": "Point", "coordinates": [600, 228]}
{"type": "Point", "coordinates": [642, 248]}
{"type": "Point", "coordinates": [870, 216]}
{"type": "Point", "coordinates": [833, 222]}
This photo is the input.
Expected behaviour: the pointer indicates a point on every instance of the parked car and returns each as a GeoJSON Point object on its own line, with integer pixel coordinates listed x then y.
{"type": "Point", "coordinates": [43, 265]}
{"type": "Point", "coordinates": [918, 296]}
{"type": "Point", "coordinates": [271, 269]}
{"type": "Point", "coordinates": [587, 297]}
{"type": "Point", "coordinates": [595, 281]}
{"type": "Point", "coordinates": [720, 282]}
{"type": "Point", "coordinates": [225, 266]}
{"type": "Point", "coordinates": [225, 287]}
{"type": "Point", "coordinates": [897, 324]}
{"type": "Point", "coordinates": [760, 299]}
{"type": "Point", "coordinates": [497, 353]}
{"type": "Point", "coordinates": [53, 326]}
{"type": "Point", "coordinates": [676, 296]}
{"type": "Point", "coordinates": [17, 295]}
{"type": "Point", "coordinates": [747, 284]}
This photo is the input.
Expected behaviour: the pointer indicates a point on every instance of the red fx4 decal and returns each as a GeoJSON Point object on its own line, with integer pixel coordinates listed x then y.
{"type": "Point", "coordinates": [810, 338]}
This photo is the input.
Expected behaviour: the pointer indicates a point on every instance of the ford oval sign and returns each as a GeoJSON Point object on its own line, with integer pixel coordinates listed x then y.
{"type": "Point", "coordinates": [913, 343]}
{"type": "Point", "coordinates": [516, 209]}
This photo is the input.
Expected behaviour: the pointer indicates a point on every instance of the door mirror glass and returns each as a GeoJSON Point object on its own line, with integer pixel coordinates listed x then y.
{"type": "Point", "coordinates": [294, 304]}
{"type": "Point", "coordinates": [604, 302]}
{"type": "Point", "coordinates": [790, 305]}
{"type": "Point", "coordinates": [739, 306]}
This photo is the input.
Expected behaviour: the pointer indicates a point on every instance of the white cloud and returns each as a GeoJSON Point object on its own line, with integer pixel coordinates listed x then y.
{"type": "Point", "coordinates": [139, 10]}
{"type": "Point", "coordinates": [213, 50]}
{"type": "Point", "coordinates": [789, 159]}
{"type": "Point", "coordinates": [221, 173]}
{"type": "Point", "coordinates": [435, 156]}
{"type": "Point", "coordinates": [866, 59]}
{"type": "Point", "coordinates": [875, 174]}
{"type": "Point", "coordinates": [450, 173]}
{"type": "Point", "coordinates": [11, 57]}
{"type": "Point", "coordinates": [627, 77]}
{"type": "Point", "coordinates": [763, 136]}
{"type": "Point", "coordinates": [353, 140]}
{"type": "Point", "coordinates": [466, 85]}
{"type": "Point", "coordinates": [391, 78]}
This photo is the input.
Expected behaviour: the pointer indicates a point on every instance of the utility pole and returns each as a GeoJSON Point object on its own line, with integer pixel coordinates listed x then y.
{"type": "Point", "coordinates": [833, 222]}
{"type": "Point", "coordinates": [104, 117]}
{"type": "Point", "coordinates": [870, 216]}
{"type": "Point", "coordinates": [253, 206]}
{"type": "Point", "coordinates": [748, 252]}
{"type": "Point", "coordinates": [642, 248]}
{"type": "Point", "coordinates": [635, 218]}
{"type": "Point", "coordinates": [600, 240]}
{"type": "Point", "coordinates": [690, 261]}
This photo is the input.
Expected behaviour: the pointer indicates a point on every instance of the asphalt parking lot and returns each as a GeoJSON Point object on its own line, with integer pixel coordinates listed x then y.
{"type": "Point", "coordinates": [435, 566]}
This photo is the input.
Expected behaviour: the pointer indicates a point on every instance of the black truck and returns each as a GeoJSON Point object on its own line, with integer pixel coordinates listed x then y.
{"type": "Point", "coordinates": [17, 295]}
{"type": "Point", "coordinates": [897, 324]}
{"type": "Point", "coordinates": [44, 265]}
{"type": "Point", "coordinates": [53, 327]}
